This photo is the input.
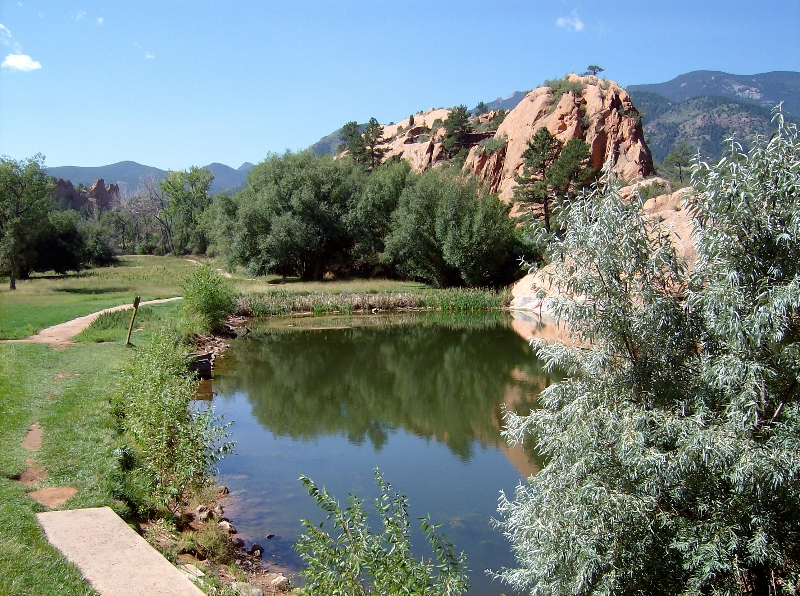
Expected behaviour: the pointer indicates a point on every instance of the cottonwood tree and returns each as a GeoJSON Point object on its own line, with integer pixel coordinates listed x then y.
{"type": "Point", "coordinates": [672, 445]}
{"type": "Point", "coordinates": [186, 194]}
{"type": "Point", "coordinates": [24, 203]}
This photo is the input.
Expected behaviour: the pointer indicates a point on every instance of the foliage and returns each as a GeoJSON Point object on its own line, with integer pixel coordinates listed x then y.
{"type": "Point", "coordinates": [24, 203]}
{"type": "Point", "coordinates": [494, 123]}
{"type": "Point", "coordinates": [373, 137]}
{"type": "Point", "coordinates": [208, 299]}
{"type": "Point", "coordinates": [561, 86]}
{"type": "Point", "coordinates": [292, 218]}
{"type": "Point", "coordinates": [552, 172]}
{"type": "Point", "coordinates": [186, 196]}
{"type": "Point", "coordinates": [169, 445]}
{"type": "Point", "coordinates": [369, 215]}
{"type": "Point", "coordinates": [673, 453]}
{"type": "Point", "coordinates": [593, 70]}
{"type": "Point", "coordinates": [481, 108]}
{"type": "Point", "coordinates": [680, 157]}
{"type": "Point", "coordinates": [457, 126]}
{"type": "Point", "coordinates": [447, 232]}
{"type": "Point", "coordinates": [358, 562]}
{"type": "Point", "coordinates": [285, 302]}
{"type": "Point", "coordinates": [493, 145]}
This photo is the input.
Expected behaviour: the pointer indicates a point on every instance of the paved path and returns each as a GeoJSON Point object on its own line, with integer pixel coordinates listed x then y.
{"type": "Point", "coordinates": [62, 334]}
{"type": "Point", "coordinates": [111, 556]}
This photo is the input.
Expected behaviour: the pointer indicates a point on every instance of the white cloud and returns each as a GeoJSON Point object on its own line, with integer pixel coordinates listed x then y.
{"type": "Point", "coordinates": [20, 62]}
{"type": "Point", "coordinates": [148, 55]}
{"type": "Point", "coordinates": [81, 16]}
{"type": "Point", "coordinates": [99, 20]}
{"type": "Point", "coordinates": [571, 23]}
{"type": "Point", "coordinates": [5, 35]}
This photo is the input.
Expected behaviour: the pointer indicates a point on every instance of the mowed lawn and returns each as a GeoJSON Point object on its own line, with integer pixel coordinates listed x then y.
{"type": "Point", "coordinates": [46, 300]}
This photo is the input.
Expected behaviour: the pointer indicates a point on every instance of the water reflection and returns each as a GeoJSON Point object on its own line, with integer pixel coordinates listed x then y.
{"type": "Point", "coordinates": [421, 397]}
{"type": "Point", "coordinates": [364, 382]}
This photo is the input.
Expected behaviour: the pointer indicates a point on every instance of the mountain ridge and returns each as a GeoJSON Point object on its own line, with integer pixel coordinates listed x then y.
{"type": "Point", "coordinates": [127, 174]}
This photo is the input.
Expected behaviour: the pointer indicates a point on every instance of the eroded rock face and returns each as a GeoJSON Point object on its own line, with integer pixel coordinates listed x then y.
{"type": "Point", "coordinates": [98, 194]}
{"type": "Point", "coordinates": [603, 115]}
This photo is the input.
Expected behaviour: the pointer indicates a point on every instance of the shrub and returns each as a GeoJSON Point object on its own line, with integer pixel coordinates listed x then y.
{"type": "Point", "coordinates": [673, 450]}
{"type": "Point", "coordinates": [493, 145]}
{"type": "Point", "coordinates": [357, 562]}
{"type": "Point", "coordinates": [208, 299]}
{"type": "Point", "coordinates": [561, 86]}
{"type": "Point", "coordinates": [169, 446]}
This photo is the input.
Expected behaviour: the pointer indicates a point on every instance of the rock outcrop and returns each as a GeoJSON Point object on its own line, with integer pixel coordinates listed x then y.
{"type": "Point", "coordinates": [98, 195]}
{"type": "Point", "coordinates": [602, 114]}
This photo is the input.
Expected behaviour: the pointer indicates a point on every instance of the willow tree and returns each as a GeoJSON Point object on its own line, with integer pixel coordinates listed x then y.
{"type": "Point", "coordinates": [673, 445]}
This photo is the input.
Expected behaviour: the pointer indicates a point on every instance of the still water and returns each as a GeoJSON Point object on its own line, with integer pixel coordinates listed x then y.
{"type": "Point", "coordinates": [421, 397]}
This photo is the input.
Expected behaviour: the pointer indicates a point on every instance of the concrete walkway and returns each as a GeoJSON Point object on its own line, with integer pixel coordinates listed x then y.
{"type": "Point", "coordinates": [111, 556]}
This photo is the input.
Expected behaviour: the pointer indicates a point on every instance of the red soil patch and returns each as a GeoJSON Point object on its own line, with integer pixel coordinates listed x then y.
{"type": "Point", "coordinates": [54, 496]}
{"type": "Point", "coordinates": [32, 475]}
{"type": "Point", "coordinates": [33, 440]}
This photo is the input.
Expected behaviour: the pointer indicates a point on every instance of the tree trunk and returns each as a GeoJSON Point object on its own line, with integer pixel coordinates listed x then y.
{"type": "Point", "coordinates": [13, 276]}
{"type": "Point", "coordinates": [319, 271]}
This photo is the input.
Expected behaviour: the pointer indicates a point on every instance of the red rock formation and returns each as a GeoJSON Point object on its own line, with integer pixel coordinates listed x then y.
{"type": "Point", "coordinates": [98, 194]}
{"type": "Point", "coordinates": [603, 115]}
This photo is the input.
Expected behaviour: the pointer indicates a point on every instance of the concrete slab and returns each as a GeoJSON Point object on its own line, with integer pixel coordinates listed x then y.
{"type": "Point", "coordinates": [111, 556]}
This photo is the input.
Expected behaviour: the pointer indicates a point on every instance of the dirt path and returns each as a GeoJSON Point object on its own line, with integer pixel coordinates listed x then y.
{"type": "Point", "coordinates": [62, 334]}
{"type": "Point", "coordinates": [222, 272]}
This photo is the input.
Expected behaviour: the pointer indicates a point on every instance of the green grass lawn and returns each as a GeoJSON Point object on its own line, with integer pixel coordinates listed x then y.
{"type": "Point", "coordinates": [68, 392]}
{"type": "Point", "coordinates": [47, 300]}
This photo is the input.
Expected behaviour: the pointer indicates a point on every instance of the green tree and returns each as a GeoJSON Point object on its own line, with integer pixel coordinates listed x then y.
{"type": "Point", "coordinates": [481, 108]}
{"type": "Point", "coordinates": [24, 203]}
{"type": "Point", "coordinates": [369, 216]}
{"type": "Point", "coordinates": [373, 137]}
{"type": "Point", "coordinates": [672, 444]}
{"type": "Point", "coordinates": [593, 69]}
{"type": "Point", "coordinates": [552, 172]}
{"type": "Point", "coordinates": [457, 127]}
{"type": "Point", "coordinates": [291, 219]}
{"type": "Point", "coordinates": [533, 187]}
{"type": "Point", "coordinates": [187, 195]}
{"type": "Point", "coordinates": [353, 141]}
{"type": "Point", "coordinates": [680, 157]}
{"type": "Point", "coordinates": [447, 232]}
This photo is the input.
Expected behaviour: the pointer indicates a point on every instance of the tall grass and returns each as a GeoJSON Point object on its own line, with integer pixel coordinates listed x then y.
{"type": "Point", "coordinates": [283, 302]}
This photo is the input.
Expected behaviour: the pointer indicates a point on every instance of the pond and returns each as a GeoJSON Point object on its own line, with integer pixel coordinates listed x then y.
{"type": "Point", "coordinates": [419, 396]}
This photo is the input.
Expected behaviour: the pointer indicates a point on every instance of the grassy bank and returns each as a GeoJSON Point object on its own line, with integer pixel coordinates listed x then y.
{"type": "Point", "coordinates": [68, 393]}
{"type": "Point", "coordinates": [287, 302]}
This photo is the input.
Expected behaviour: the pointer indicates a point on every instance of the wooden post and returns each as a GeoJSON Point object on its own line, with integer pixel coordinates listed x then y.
{"type": "Point", "coordinates": [133, 318]}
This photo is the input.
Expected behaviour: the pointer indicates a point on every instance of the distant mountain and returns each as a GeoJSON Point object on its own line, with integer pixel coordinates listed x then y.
{"type": "Point", "coordinates": [327, 145]}
{"type": "Point", "coordinates": [703, 122]}
{"type": "Point", "coordinates": [128, 174]}
{"type": "Point", "coordinates": [509, 103]}
{"type": "Point", "coordinates": [226, 179]}
{"type": "Point", "coordinates": [765, 89]}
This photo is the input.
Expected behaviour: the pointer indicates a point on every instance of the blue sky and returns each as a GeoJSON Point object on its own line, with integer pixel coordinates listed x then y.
{"type": "Point", "coordinates": [173, 84]}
